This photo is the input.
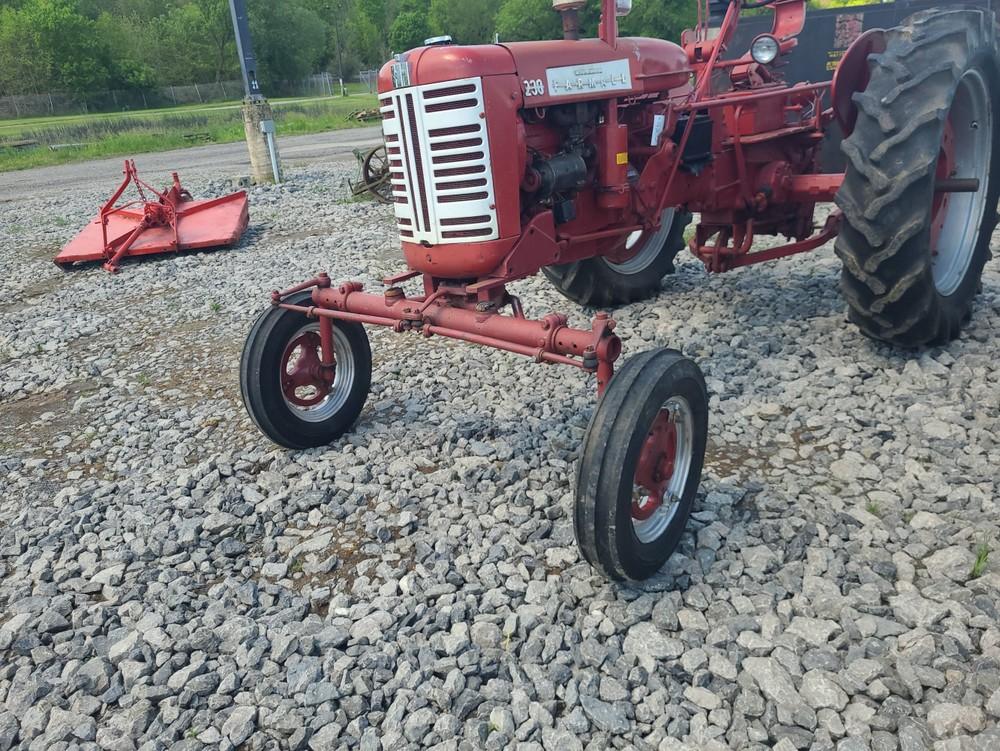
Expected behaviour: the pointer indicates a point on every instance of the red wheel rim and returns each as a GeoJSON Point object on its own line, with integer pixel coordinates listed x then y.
{"type": "Point", "coordinates": [302, 371]}
{"type": "Point", "coordinates": [635, 252]}
{"type": "Point", "coordinates": [656, 466]}
{"type": "Point", "coordinates": [945, 169]}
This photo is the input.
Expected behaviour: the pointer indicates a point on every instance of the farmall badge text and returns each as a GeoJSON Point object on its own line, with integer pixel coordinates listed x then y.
{"type": "Point", "coordinates": [576, 79]}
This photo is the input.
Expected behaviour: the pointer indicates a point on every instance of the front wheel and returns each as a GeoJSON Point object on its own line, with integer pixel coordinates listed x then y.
{"type": "Point", "coordinates": [641, 261]}
{"type": "Point", "coordinates": [294, 400]}
{"type": "Point", "coordinates": [641, 465]}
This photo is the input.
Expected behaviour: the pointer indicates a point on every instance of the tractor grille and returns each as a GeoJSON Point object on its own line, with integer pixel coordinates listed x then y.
{"type": "Point", "coordinates": [439, 162]}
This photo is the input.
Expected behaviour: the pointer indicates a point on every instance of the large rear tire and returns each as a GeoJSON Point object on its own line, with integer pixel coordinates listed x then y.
{"type": "Point", "coordinates": [913, 258]}
{"type": "Point", "coordinates": [600, 282]}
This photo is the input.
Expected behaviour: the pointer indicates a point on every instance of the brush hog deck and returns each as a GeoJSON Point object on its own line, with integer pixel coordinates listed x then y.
{"type": "Point", "coordinates": [170, 221]}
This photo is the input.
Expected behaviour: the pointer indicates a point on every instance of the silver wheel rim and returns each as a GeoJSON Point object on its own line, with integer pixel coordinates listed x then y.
{"type": "Point", "coordinates": [650, 249]}
{"type": "Point", "coordinates": [650, 529]}
{"type": "Point", "coordinates": [971, 118]}
{"type": "Point", "coordinates": [343, 379]}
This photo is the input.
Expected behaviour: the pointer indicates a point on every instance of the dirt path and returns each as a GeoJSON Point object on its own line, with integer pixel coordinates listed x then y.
{"type": "Point", "coordinates": [225, 159]}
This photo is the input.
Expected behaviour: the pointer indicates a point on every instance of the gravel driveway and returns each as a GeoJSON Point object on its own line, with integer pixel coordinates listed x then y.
{"type": "Point", "coordinates": [170, 580]}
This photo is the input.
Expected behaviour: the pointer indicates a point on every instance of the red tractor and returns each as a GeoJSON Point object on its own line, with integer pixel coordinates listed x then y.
{"type": "Point", "coordinates": [585, 158]}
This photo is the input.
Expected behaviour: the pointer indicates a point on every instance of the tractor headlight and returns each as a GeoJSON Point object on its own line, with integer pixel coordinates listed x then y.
{"type": "Point", "coordinates": [765, 49]}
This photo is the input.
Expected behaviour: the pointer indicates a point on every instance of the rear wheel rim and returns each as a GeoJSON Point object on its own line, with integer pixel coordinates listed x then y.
{"type": "Point", "coordinates": [307, 389]}
{"type": "Point", "coordinates": [645, 247]}
{"type": "Point", "coordinates": [966, 152]}
{"type": "Point", "coordinates": [662, 471]}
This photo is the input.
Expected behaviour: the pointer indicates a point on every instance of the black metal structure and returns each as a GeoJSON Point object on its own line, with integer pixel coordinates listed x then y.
{"type": "Point", "coordinates": [244, 48]}
{"type": "Point", "coordinates": [827, 35]}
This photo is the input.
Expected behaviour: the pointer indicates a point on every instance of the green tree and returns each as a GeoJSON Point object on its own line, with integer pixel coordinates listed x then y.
{"type": "Point", "coordinates": [24, 65]}
{"type": "Point", "coordinates": [410, 28]}
{"type": "Point", "coordinates": [220, 37]}
{"type": "Point", "coordinates": [344, 26]}
{"type": "Point", "coordinates": [131, 39]}
{"type": "Point", "coordinates": [525, 20]}
{"type": "Point", "coordinates": [67, 42]}
{"type": "Point", "coordinates": [659, 19]}
{"type": "Point", "coordinates": [289, 40]}
{"type": "Point", "coordinates": [466, 21]}
{"type": "Point", "coordinates": [366, 41]}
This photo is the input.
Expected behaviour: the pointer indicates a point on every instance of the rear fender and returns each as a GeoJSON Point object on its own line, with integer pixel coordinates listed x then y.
{"type": "Point", "coordinates": [852, 75]}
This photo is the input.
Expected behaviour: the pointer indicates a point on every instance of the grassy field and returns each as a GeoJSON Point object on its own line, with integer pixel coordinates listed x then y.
{"type": "Point", "coordinates": [75, 138]}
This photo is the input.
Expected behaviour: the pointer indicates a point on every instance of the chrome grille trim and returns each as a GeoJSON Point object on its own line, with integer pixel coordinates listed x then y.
{"type": "Point", "coordinates": [440, 132]}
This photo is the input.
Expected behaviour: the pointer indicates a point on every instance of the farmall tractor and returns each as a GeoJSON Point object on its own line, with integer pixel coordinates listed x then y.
{"type": "Point", "coordinates": [584, 159]}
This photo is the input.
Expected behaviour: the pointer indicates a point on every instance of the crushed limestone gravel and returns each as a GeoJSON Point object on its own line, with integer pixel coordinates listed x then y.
{"type": "Point", "coordinates": [171, 580]}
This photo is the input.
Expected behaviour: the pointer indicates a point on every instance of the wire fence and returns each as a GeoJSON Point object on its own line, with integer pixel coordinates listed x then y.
{"type": "Point", "coordinates": [58, 103]}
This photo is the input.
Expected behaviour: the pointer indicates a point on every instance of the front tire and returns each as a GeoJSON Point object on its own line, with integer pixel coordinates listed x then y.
{"type": "Point", "coordinates": [913, 258]}
{"type": "Point", "coordinates": [601, 282]}
{"type": "Point", "coordinates": [284, 389]}
{"type": "Point", "coordinates": [641, 465]}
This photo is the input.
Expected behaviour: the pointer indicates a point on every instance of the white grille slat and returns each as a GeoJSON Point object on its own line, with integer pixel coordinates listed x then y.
{"type": "Point", "coordinates": [459, 190]}
{"type": "Point", "coordinates": [458, 150]}
{"type": "Point", "coordinates": [425, 217]}
{"type": "Point", "coordinates": [452, 99]}
{"type": "Point", "coordinates": [467, 136]}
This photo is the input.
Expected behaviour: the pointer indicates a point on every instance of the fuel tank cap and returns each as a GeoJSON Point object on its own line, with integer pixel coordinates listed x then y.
{"type": "Point", "coordinates": [438, 41]}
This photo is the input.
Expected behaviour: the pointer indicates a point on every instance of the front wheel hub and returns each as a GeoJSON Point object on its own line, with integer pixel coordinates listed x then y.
{"type": "Point", "coordinates": [305, 381]}
{"type": "Point", "coordinates": [662, 470]}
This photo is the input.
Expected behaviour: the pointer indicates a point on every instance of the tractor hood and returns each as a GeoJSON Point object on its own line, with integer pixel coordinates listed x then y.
{"type": "Point", "coordinates": [549, 72]}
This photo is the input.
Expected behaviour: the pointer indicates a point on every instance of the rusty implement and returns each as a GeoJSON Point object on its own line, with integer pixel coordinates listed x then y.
{"type": "Point", "coordinates": [374, 164]}
{"type": "Point", "coordinates": [164, 222]}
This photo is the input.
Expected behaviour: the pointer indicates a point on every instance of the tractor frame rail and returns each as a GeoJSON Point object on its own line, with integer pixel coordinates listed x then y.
{"type": "Point", "coordinates": [454, 312]}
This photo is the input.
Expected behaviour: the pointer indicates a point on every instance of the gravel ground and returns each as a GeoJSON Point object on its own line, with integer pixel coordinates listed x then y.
{"type": "Point", "coordinates": [169, 579]}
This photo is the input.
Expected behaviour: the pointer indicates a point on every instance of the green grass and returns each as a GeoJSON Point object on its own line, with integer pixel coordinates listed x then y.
{"type": "Point", "coordinates": [874, 509]}
{"type": "Point", "coordinates": [101, 136]}
{"type": "Point", "coordinates": [15, 128]}
{"type": "Point", "coordinates": [982, 558]}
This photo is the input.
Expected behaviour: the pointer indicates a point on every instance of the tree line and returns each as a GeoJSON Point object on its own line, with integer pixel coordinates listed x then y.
{"type": "Point", "coordinates": [80, 46]}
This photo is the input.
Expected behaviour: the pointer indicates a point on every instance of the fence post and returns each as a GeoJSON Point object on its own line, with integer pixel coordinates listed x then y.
{"type": "Point", "coordinates": [198, 92]}
{"type": "Point", "coordinates": [173, 96]}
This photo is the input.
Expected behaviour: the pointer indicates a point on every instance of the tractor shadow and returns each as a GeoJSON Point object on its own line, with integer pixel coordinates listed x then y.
{"type": "Point", "coordinates": [765, 294]}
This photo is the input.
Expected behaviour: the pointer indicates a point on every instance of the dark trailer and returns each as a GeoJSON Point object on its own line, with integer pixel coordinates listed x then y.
{"type": "Point", "coordinates": [826, 37]}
